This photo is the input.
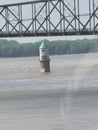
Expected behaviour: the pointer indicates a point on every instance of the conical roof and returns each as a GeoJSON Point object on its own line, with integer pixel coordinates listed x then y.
{"type": "Point", "coordinates": [43, 45]}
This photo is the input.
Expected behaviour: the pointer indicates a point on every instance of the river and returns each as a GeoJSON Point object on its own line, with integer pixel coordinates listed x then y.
{"type": "Point", "coordinates": [64, 99]}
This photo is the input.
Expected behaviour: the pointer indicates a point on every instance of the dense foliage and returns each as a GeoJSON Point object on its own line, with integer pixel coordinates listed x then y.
{"type": "Point", "coordinates": [15, 49]}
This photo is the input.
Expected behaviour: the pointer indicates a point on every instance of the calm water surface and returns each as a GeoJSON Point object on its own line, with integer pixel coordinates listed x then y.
{"type": "Point", "coordinates": [64, 99]}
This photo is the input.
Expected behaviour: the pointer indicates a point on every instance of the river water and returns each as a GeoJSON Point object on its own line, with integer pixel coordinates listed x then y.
{"type": "Point", "coordinates": [64, 99]}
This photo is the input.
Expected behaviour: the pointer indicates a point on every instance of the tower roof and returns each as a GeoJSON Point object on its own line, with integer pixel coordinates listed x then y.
{"type": "Point", "coordinates": [43, 45]}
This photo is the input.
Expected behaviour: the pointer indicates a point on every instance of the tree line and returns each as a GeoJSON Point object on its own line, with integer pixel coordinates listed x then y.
{"type": "Point", "coordinates": [14, 49]}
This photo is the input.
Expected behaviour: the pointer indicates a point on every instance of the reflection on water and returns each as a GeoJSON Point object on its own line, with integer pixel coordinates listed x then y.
{"type": "Point", "coordinates": [65, 98]}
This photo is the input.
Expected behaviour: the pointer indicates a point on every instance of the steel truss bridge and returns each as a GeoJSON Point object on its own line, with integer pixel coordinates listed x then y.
{"type": "Point", "coordinates": [49, 18]}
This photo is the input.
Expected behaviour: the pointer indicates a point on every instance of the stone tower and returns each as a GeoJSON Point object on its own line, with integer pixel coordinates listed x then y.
{"type": "Point", "coordinates": [44, 58]}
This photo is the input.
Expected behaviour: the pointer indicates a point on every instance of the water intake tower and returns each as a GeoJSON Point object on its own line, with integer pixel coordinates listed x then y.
{"type": "Point", "coordinates": [44, 58]}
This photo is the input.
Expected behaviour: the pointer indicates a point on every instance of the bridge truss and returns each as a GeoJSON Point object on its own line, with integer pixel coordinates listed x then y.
{"type": "Point", "coordinates": [49, 18]}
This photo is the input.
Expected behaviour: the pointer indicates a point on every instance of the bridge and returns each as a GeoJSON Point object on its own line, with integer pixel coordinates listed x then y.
{"type": "Point", "coordinates": [49, 18]}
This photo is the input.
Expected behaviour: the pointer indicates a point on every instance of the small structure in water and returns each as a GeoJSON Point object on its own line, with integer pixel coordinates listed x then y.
{"type": "Point", "coordinates": [44, 58]}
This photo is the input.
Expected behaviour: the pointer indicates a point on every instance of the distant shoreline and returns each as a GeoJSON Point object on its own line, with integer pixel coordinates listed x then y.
{"type": "Point", "coordinates": [11, 49]}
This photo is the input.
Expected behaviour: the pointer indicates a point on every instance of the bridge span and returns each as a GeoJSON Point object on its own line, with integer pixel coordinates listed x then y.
{"type": "Point", "coordinates": [49, 18]}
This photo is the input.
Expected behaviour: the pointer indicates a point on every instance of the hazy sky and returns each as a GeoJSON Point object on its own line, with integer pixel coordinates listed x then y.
{"type": "Point", "coordinates": [12, 1]}
{"type": "Point", "coordinates": [33, 39]}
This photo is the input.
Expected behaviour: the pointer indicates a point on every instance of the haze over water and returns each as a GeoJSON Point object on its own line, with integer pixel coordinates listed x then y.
{"type": "Point", "coordinates": [64, 99]}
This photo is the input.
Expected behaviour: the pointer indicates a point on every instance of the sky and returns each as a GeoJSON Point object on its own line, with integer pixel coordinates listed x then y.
{"type": "Point", "coordinates": [12, 1]}
{"type": "Point", "coordinates": [35, 39]}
